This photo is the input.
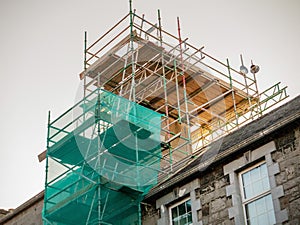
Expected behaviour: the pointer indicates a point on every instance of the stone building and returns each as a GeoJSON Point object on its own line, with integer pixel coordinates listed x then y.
{"type": "Point", "coordinates": [254, 174]}
{"type": "Point", "coordinates": [249, 175]}
{"type": "Point", "coordinates": [29, 212]}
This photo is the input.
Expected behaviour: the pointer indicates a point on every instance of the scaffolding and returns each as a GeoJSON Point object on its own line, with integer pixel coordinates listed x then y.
{"type": "Point", "coordinates": [151, 102]}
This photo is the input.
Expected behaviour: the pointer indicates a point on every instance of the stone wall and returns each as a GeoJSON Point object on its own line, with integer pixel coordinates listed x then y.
{"type": "Point", "coordinates": [287, 155]}
{"type": "Point", "coordinates": [215, 190]}
{"type": "Point", "coordinates": [32, 215]}
{"type": "Point", "coordinates": [208, 196]}
{"type": "Point", "coordinates": [213, 199]}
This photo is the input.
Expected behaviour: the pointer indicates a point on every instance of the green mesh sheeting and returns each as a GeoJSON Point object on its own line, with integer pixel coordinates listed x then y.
{"type": "Point", "coordinates": [103, 157]}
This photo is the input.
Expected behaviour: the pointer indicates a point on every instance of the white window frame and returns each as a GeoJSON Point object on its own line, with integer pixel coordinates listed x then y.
{"type": "Point", "coordinates": [175, 205]}
{"type": "Point", "coordinates": [256, 197]}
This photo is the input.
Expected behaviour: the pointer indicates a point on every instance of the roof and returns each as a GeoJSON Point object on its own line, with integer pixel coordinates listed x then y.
{"type": "Point", "coordinates": [233, 142]}
{"type": "Point", "coordinates": [23, 207]}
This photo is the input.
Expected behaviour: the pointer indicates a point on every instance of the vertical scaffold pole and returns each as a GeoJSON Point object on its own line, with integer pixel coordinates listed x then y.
{"type": "Point", "coordinates": [84, 63]}
{"type": "Point", "coordinates": [177, 92]}
{"type": "Point", "coordinates": [159, 27]}
{"type": "Point", "coordinates": [184, 82]}
{"type": "Point", "coordinates": [47, 164]}
{"type": "Point", "coordinates": [132, 91]}
{"type": "Point", "coordinates": [97, 120]}
{"type": "Point", "coordinates": [84, 78]}
{"type": "Point", "coordinates": [256, 90]}
{"type": "Point", "coordinates": [133, 98]}
{"type": "Point", "coordinates": [232, 92]}
{"type": "Point", "coordinates": [140, 213]}
{"type": "Point", "coordinates": [165, 90]}
{"type": "Point", "coordinates": [85, 51]}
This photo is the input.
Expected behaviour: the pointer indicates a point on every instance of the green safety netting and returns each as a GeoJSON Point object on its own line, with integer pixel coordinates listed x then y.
{"type": "Point", "coordinates": [103, 157]}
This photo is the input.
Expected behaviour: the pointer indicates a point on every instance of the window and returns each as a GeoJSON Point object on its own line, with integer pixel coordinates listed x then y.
{"type": "Point", "coordinates": [181, 213]}
{"type": "Point", "coordinates": [256, 196]}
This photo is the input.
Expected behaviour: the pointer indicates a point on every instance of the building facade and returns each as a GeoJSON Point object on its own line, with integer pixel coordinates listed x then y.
{"type": "Point", "coordinates": [250, 176]}
{"type": "Point", "coordinates": [252, 179]}
{"type": "Point", "coordinates": [29, 213]}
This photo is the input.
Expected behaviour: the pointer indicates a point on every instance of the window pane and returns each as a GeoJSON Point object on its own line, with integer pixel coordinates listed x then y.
{"type": "Point", "coordinates": [271, 217]}
{"type": "Point", "coordinates": [251, 209]}
{"type": "Point", "coordinates": [248, 191]}
{"type": "Point", "coordinates": [266, 184]}
{"type": "Point", "coordinates": [263, 219]}
{"type": "Point", "coordinates": [190, 218]}
{"type": "Point", "coordinates": [174, 213]}
{"type": "Point", "coordinates": [254, 174]}
{"type": "Point", "coordinates": [255, 181]}
{"type": "Point", "coordinates": [261, 206]}
{"type": "Point", "coordinates": [261, 211]}
{"type": "Point", "coordinates": [264, 170]}
{"type": "Point", "coordinates": [181, 214]}
{"type": "Point", "coordinates": [246, 178]}
{"type": "Point", "coordinates": [175, 222]}
{"type": "Point", "coordinates": [269, 202]}
{"type": "Point", "coordinates": [257, 187]}
{"type": "Point", "coordinates": [182, 221]}
{"type": "Point", "coordinates": [188, 206]}
{"type": "Point", "coordinates": [181, 209]}
{"type": "Point", "coordinates": [253, 221]}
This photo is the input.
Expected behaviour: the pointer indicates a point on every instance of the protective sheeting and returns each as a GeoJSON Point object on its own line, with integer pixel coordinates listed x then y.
{"type": "Point", "coordinates": [102, 162]}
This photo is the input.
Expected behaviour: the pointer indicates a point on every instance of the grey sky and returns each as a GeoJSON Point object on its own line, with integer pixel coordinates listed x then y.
{"type": "Point", "coordinates": [41, 55]}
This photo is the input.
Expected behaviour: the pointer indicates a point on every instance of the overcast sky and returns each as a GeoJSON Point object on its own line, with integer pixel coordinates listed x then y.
{"type": "Point", "coordinates": [41, 55]}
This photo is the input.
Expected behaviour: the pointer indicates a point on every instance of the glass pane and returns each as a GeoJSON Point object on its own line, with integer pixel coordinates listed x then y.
{"type": "Point", "coordinates": [250, 209]}
{"type": "Point", "coordinates": [175, 222]}
{"type": "Point", "coordinates": [190, 218]}
{"type": "Point", "coordinates": [271, 217]}
{"type": "Point", "coordinates": [181, 209]}
{"type": "Point", "coordinates": [264, 172]}
{"type": "Point", "coordinates": [255, 181]}
{"type": "Point", "coordinates": [248, 191]}
{"type": "Point", "coordinates": [257, 187]}
{"type": "Point", "coordinates": [261, 206]}
{"type": "Point", "coordinates": [251, 213]}
{"type": "Point", "coordinates": [253, 221]}
{"type": "Point", "coordinates": [181, 221]}
{"type": "Point", "coordinates": [246, 178]}
{"type": "Point", "coordinates": [174, 213]}
{"type": "Point", "coordinates": [188, 206]}
{"type": "Point", "coordinates": [181, 214]}
{"type": "Point", "coordinates": [261, 211]}
{"type": "Point", "coordinates": [266, 184]}
{"type": "Point", "coordinates": [263, 219]}
{"type": "Point", "coordinates": [269, 202]}
{"type": "Point", "coordinates": [255, 175]}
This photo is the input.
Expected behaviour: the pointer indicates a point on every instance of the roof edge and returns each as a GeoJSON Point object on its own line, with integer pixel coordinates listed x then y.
{"type": "Point", "coordinates": [23, 207]}
{"type": "Point", "coordinates": [221, 155]}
